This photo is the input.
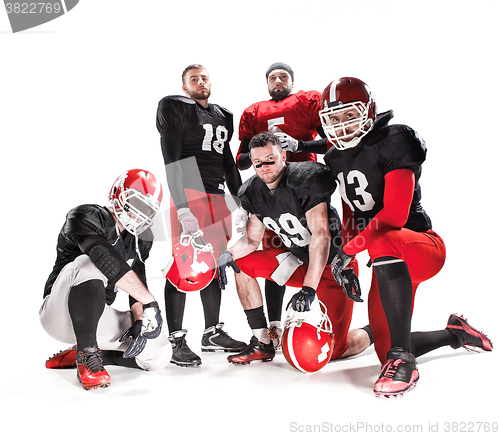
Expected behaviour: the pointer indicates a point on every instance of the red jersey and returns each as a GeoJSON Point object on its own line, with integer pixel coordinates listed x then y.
{"type": "Point", "coordinates": [296, 115]}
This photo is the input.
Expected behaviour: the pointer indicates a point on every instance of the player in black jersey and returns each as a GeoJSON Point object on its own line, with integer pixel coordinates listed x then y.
{"type": "Point", "coordinates": [378, 167]}
{"type": "Point", "coordinates": [293, 200]}
{"type": "Point", "coordinates": [195, 136]}
{"type": "Point", "coordinates": [100, 250]}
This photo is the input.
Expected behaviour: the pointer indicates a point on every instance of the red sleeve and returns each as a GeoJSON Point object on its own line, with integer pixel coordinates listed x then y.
{"type": "Point", "coordinates": [398, 195]}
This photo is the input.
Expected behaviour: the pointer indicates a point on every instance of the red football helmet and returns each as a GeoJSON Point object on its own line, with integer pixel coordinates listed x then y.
{"type": "Point", "coordinates": [307, 340]}
{"type": "Point", "coordinates": [135, 198]}
{"type": "Point", "coordinates": [193, 264]}
{"type": "Point", "coordinates": [348, 112]}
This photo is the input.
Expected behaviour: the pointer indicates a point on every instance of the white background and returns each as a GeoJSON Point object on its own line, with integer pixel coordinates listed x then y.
{"type": "Point", "coordinates": [78, 99]}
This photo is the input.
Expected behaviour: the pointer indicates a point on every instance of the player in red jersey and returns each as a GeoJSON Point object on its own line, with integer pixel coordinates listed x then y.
{"type": "Point", "coordinates": [195, 137]}
{"type": "Point", "coordinates": [288, 115]}
{"type": "Point", "coordinates": [378, 167]}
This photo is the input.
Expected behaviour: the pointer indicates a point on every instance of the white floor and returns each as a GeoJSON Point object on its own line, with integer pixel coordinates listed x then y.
{"type": "Point", "coordinates": [260, 398]}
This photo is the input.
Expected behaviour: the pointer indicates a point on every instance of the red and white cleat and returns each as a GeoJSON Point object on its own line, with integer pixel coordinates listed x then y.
{"type": "Point", "coordinates": [467, 335]}
{"type": "Point", "coordinates": [399, 374]}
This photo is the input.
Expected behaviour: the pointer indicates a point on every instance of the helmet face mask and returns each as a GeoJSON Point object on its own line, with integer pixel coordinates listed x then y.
{"type": "Point", "coordinates": [342, 128]}
{"type": "Point", "coordinates": [348, 112]}
{"type": "Point", "coordinates": [135, 199]}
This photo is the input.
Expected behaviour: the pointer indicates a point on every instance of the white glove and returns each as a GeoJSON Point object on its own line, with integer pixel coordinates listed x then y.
{"type": "Point", "coordinates": [287, 142]}
{"type": "Point", "coordinates": [241, 220]}
{"type": "Point", "coordinates": [188, 221]}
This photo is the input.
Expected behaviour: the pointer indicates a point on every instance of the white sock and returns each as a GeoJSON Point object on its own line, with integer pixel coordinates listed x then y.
{"type": "Point", "coordinates": [262, 335]}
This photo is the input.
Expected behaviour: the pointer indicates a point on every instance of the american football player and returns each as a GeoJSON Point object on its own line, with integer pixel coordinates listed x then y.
{"type": "Point", "coordinates": [292, 117]}
{"type": "Point", "coordinates": [195, 137]}
{"type": "Point", "coordinates": [293, 200]}
{"type": "Point", "coordinates": [377, 167]}
{"type": "Point", "coordinates": [99, 251]}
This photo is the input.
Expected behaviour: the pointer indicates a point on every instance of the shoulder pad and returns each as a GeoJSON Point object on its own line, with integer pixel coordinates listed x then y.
{"type": "Point", "coordinates": [313, 174]}
{"type": "Point", "coordinates": [178, 98]}
{"type": "Point", "coordinates": [245, 185]}
{"type": "Point", "coordinates": [88, 219]}
{"type": "Point", "coordinates": [226, 112]}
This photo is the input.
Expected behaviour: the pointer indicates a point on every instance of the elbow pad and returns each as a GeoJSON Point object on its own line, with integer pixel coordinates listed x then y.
{"type": "Point", "coordinates": [105, 257]}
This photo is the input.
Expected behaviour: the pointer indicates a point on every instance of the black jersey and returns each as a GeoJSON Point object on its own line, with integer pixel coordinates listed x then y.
{"type": "Point", "coordinates": [94, 220]}
{"type": "Point", "coordinates": [361, 177]}
{"type": "Point", "coordinates": [203, 133]}
{"type": "Point", "coordinates": [304, 185]}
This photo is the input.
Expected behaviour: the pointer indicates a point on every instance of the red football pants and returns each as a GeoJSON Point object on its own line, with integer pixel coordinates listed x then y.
{"type": "Point", "coordinates": [262, 263]}
{"type": "Point", "coordinates": [424, 253]}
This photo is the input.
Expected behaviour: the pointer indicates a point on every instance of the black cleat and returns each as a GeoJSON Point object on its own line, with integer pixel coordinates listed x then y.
{"type": "Point", "coordinates": [216, 339]}
{"type": "Point", "coordinates": [467, 335]}
{"type": "Point", "coordinates": [255, 350]}
{"type": "Point", "coordinates": [181, 353]}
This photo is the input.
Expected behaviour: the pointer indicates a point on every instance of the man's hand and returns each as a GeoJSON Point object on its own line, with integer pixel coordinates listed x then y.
{"type": "Point", "coordinates": [302, 300]}
{"type": "Point", "coordinates": [350, 285]}
{"type": "Point", "coordinates": [225, 260]}
{"type": "Point", "coordinates": [138, 341]}
{"type": "Point", "coordinates": [151, 320]}
{"type": "Point", "coordinates": [287, 142]}
{"type": "Point", "coordinates": [339, 262]}
{"type": "Point", "coordinates": [188, 221]}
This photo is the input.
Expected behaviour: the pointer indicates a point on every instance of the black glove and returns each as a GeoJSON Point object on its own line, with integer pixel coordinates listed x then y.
{"type": "Point", "coordinates": [138, 341]}
{"type": "Point", "coordinates": [350, 285]}
{"type": "Point", "coordinates": [339, 262]}
{"type": "Point", "coordinates": [302, 300]}
{"type": "Point", "coordinates": [225, 260]}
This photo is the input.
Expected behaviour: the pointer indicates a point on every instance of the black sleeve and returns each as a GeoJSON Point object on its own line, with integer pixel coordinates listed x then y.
{"type": "Point", "coordinates": [168, 123]}
{"type": "Point", "coordinates": [231, 173]}
{"type": "Point", "coordinates": [243, 156]}
{"type": "Point", "coordinates": [319, 146]}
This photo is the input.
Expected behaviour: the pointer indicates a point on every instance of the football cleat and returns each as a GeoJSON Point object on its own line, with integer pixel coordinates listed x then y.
{"type": "Point", "coordinates": [216, 339]}
{"type": "Point", "coordinates": [399, 374]}
{"type": "Point", "coordinates": [255, 350]}
{"type": "Point", "coordinates": [181, 353]}
{"type": "Point", "coordinates": [467, 335]}
{"type": "Point", "coordinates": [63, 359]}
{"type": "Point", "coordinates": [90, 370]}
{"type": "Point", "coordinates": [275, 333]}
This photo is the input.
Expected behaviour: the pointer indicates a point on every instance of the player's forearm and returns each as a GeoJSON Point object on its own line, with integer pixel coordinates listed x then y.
{"type": "Point", "coordinates": [318, 255]}
{"type": "Point", "coordinates": [131, 284]}
{"type": "Point", "coordinates": [243, 247]}
{"type": "Point", "coordinates": [136, 310]}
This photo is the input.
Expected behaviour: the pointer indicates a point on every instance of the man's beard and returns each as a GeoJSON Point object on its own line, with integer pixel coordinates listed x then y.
{"type": "Point", "coordinates": [279, 94]}
{"type": "Point", "coordinates": [200, 95]}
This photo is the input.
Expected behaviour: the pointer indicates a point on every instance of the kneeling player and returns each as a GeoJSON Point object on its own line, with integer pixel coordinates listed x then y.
{"type": "Point", "coordinates": [100, 250]}
{"type": "Point", "coordinates": [292, 199]}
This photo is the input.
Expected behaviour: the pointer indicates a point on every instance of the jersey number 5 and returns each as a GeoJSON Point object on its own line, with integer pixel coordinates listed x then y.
{"type": "Point", "coordinates": [220, 138]}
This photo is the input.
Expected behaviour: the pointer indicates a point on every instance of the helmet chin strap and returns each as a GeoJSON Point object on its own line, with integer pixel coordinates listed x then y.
{"type": "Point", "coordinates": [350, 144]}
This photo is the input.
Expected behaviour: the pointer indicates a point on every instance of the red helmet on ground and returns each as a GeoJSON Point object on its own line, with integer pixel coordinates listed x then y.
{"type": "Point", "coordinates": [348, 112]}
{"type": "Point", "coordinates": [193, 264]}
{"type": "Point", "coordinates": [135, 198]}
{"type": "Point", "coordinates": [307, 340]}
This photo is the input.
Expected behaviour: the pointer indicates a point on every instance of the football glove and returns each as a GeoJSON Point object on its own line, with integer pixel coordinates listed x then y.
{"type": "Point", "coordinates": [339, 262]}
{"type": "Point", "coordinates": [302, 300]}
{"type": "Point", "coordinates": [225, 259]}
{"type": "Point", "coordinates": [151, 320]}
{"type": "Point", "coordinates": [188, 221]}
{"type": "Point", "coordinates": [138, 341]}
{"type": "Point", "coordinates": [287, 142]}
{"type": "Point", "coordinates": [350, 285]}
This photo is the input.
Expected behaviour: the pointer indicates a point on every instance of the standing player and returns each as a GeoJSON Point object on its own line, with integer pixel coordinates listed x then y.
{"type": "Point", "coordinates": [287, 115]}
{"type": "Point", "coordinates": [195, 139]}
{"type": "Point", "coordinates": [100, 250]}
{"type": "Point", "coordinates": [378, 167]}
{"type": "Point", "coordinates": [293, 201]}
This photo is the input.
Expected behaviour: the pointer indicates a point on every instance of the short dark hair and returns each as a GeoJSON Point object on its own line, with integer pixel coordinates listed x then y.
{"type": "Point", "coordinates": [191, 67]}
{"type": "Point", "coordinates": [262, 139]}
